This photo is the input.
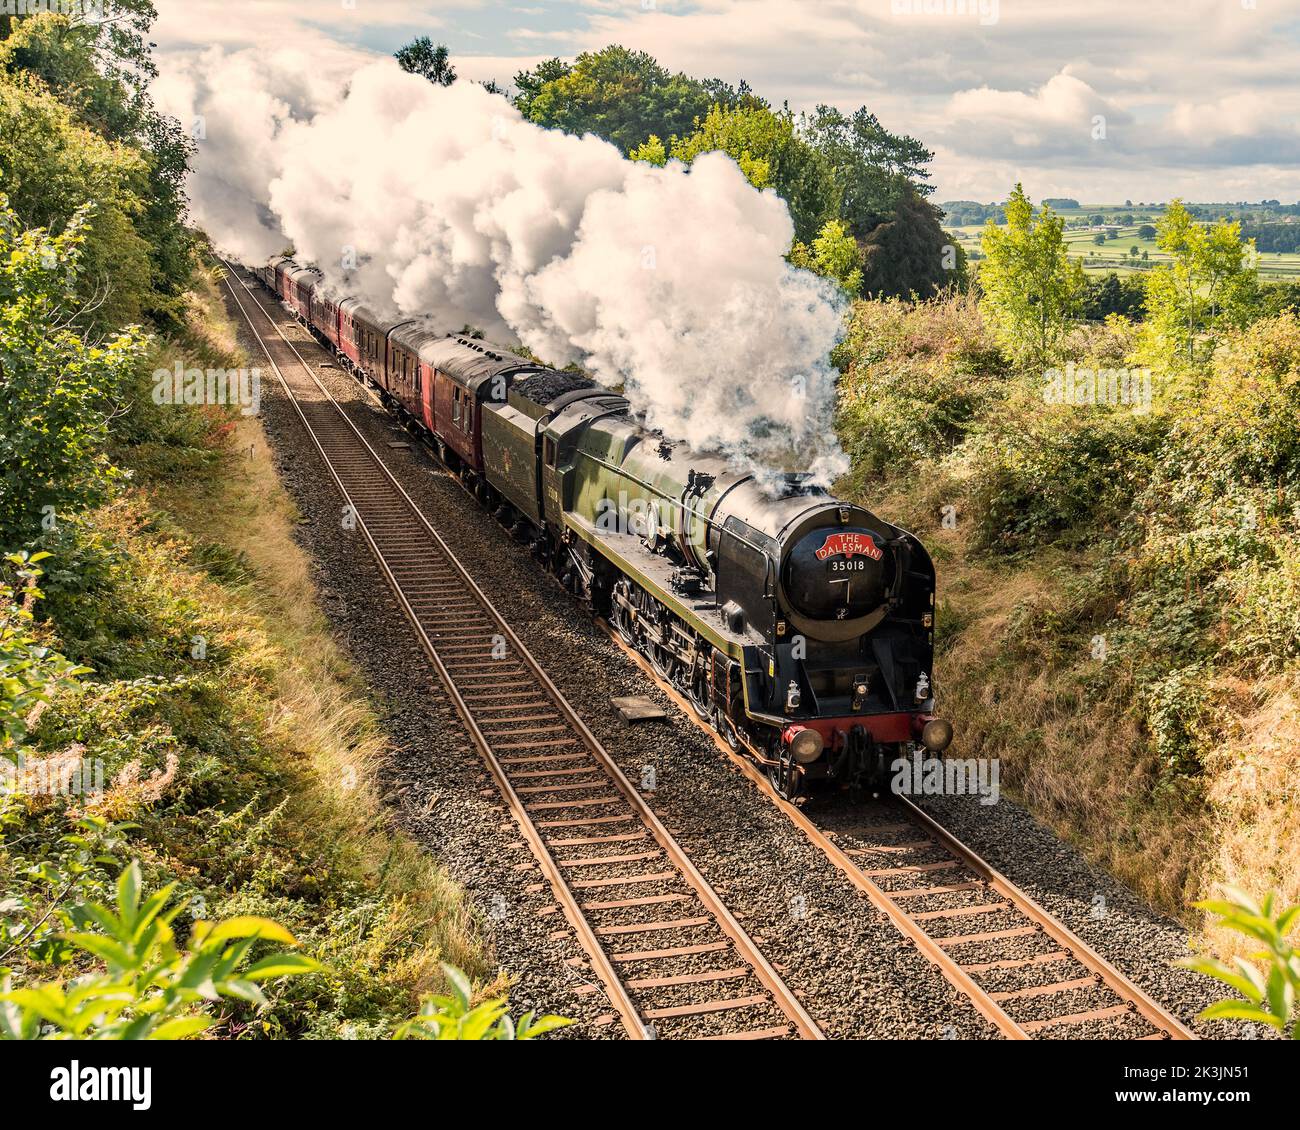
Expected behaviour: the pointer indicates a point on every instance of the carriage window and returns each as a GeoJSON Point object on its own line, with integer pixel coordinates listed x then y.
{"type": "Point", "coordinates": [417, 377]}
{"type": "Point", "coordinates": [455, 406]}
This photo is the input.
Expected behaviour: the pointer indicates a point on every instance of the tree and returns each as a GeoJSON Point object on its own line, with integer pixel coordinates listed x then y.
{"type": "Point", "coordinates": [874, 167]}
{"type": "Point", "coordinates": [910, 253]}
{"type": "Point", "coordinates": [1146, 231]}
{"type": "Point", "coordinates": [421, 57]}
{"type": "Point", "coordinates": [1032, 290]}
{"type": "Point", "coordinates": [120, 35]}
{"type": "Point", "coordinates": [1210, 284]}
{"type": "Point", "coordinates": [770, 153]}
{"type": "Point", "coordinates": [1113, 295]}
{"type": "Point", "coordinates": [530, 83]}
{"type": "Point", "coordinates": [99, 78]}
{"type": "Point", "coordinates": [622, 96]}
{"type": "Point", "coordinates": [1099, 239]}
{"type": "Point", "coordinates": [834, 254]}
{"type": "Point", "coordinates": [50, 167]}
{"type": "Point", "coordinates": [58, 391]}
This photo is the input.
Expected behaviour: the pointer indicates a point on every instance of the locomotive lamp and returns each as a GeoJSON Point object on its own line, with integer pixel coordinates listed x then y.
{"type": "Point", "coordinates": [806, 745]}
{"type": "Point", "coordinates": [792, 697]}
{"type": "Point", "coordinates": [936, 735]}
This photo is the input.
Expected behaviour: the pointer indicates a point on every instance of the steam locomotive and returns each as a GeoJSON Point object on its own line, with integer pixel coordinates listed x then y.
{"type": "Point", "coordinates": [801, 627]}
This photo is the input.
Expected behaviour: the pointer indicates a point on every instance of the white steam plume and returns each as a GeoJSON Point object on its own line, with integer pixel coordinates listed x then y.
{"type": "Point", "coordinates": [443, 202]}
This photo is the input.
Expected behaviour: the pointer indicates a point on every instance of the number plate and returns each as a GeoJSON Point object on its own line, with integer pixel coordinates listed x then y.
{"type": "Point", "coordinates": [841, 568]}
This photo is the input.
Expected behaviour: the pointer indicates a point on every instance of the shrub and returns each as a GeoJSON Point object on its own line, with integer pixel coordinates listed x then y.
{"type": "Point", "coordinates": [1047, 474]}
{"type": "Point", "coordinates": [149, 989]}
{"type": "Point", "coordinates": [915, 380]}
{"type": "Point", "coordinates": [1244, 420]}
{"type": "Point", "coordinates": [58, 390]}
{"type": "Point", "coordinates": [30, 671]}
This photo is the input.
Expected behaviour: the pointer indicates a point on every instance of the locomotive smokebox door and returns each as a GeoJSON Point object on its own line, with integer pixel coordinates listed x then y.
{"type": "Point", "coordinates": [838, 574]}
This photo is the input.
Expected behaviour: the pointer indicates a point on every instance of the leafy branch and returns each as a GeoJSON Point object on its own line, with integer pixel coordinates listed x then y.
{"type": "Point", "coordinates": [452, 1017]}
{"type": "Point", "coordinates": [149, 990]}
{"type": "Point", "coordinates": [1269, 994]}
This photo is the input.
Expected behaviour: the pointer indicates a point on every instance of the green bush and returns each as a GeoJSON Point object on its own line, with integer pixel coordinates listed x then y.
{"type": "Point", "coordinates": [150, 989]}
{"type": "Point", "coordinates": [30, 671]}
{"type": "Point", "coordinates": [915, 381]}
{"type": "Point", "coordinates": [58, 389]}
{"type": "Point", "coordinates": [1243, 418]}
{"type": "Point", "coordinates": [1045, 474]}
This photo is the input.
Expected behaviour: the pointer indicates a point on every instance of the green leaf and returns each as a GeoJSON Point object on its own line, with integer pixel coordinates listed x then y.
{"type": "Point", "coordinates": [112, 953]}
{"type": "Point", "coordinates": [460, 986]}
{"type": "Point", "coordinates": [1239, 1010]}
{"type": "Point", "coordinates": [128, 893]}
{"type": "Point", "coordinates": [281, 965]}
{"type": "Point", "coordinates": [1281, 995]}
{"type": "Point", "coordinates": [248, 926]}
{"type": "Point", "coordinates": [1288, 920]}
{"type": "Point", "coordinates": [244, 990]}
{"type": "Point", "coordinates": [530, 1029]}
{"type": "Point", "coordinates": [181, 1027]}
{"type": "Point", "coordinates": [477, 1024]}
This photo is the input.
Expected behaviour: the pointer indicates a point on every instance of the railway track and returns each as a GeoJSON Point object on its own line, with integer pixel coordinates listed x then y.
{"type": "Point", "coordinates": [1020, 967]}
{"type": "Point", "coordinates": [671, 957]}
{"type": "Point", "coordinates": [1023, 969]}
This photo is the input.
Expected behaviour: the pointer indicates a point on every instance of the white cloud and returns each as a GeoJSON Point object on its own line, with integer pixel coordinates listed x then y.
{"type": "Point", "coordinates": [1200, 96]}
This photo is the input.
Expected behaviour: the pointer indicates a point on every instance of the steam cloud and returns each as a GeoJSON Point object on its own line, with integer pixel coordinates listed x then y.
{"type": "Point", "coordinates": [443, 202]}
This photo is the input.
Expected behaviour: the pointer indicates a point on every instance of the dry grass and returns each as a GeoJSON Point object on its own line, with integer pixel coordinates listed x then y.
{"type": "Point", "coordinates": [1255, 796]}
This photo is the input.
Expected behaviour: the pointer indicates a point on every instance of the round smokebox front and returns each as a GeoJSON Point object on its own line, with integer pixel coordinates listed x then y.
{"type": "Point", "coordinates": [838, 574]}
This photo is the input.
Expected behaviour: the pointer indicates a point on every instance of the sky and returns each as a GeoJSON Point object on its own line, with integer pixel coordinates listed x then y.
{"type": "Point", "coordinates": [1101, 100]}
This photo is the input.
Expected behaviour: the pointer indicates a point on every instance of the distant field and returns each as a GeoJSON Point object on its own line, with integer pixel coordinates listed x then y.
{"type": "Point", "coordinates": [1113, 255]}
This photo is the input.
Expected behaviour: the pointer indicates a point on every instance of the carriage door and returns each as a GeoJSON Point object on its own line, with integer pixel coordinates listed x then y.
{"type": "Point", "coordinates": [424, 391]}
{"type": "Point", "coordinates": [552, 499]}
